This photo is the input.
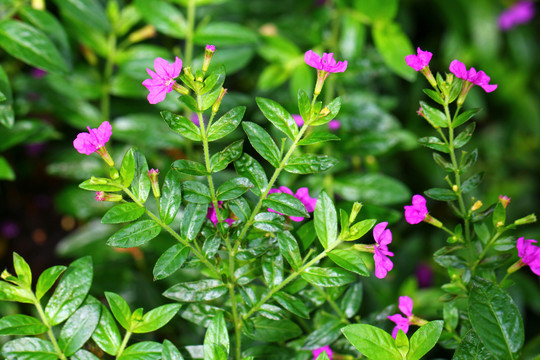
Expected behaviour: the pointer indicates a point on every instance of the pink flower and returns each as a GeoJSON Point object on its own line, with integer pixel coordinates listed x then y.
{"type": "Point", "coordinates": [162, 80]}
{"type": "Point", "coordinates": [100, 196]}
{"type": "Point", "coordinates": [327, 63]}
{"type": "Point", "coordinates": [529, 254]}
{"type": "Point", "coordinates": [212, 215]}
{"type": "Point", "coordinates": [383, 237]}
{"type": "Point", "coordinates": [472, 76]}
{"type": "Point", "coordinates": [298, 119]}
{"type": "Point", "coordinates": [38, 73]}
{"type": "Point", "coordinates": [520, 13]}
{"type": "Point", "coordinates": [505, 200]}
{"type": "Point", "coordinates": [334, 124]}
{"type": "Point", "coordinates": [210, 48]}
{"type": "Point", "coordinates": [405, 305]}
{"type": "Point", "coordinates": [420, 61]}
{"type": "Point", "coordinates": [319, 351]}
{"type": "Point", "coordinates": [416, 212]}
{"type": "Point", "coordinates": [95, 139]}
{"type": "Point", "coordinates": [302, 194]}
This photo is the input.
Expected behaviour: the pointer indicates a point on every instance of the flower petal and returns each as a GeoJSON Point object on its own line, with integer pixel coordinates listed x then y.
{"type": "Point", "coordinates": [458, 69]}
{"type": "Point", "coordinates": [406, 305]}
{"type": "Point", "coordinates": [313, 59]}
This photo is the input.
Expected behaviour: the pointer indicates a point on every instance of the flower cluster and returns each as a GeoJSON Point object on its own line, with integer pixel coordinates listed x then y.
{"type": "Point", "coordinates": [301, 194]}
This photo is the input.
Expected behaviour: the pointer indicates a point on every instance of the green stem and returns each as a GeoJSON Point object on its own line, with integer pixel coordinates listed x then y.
{"type": "Point", "coordinates": [188, 50]}
{"type": "Point", "coordinates": [333, 304]}
{"type": "Point", "coordinates": [486, 248]}
{"type": "Point", "coordinates": [124, 344]}
{"type": "Point", "coordinates": [106, 80]}
{"type": "Point", "coordinates": [45, 321]}
{"type": "Point", "coordinates": [504, 278]}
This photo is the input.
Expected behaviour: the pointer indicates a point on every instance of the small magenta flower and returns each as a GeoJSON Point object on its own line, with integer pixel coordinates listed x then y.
{"type": "Point", "coordinates": [319, 351]}
{"type": "Point", "coordinates": [212, 215]}
{"type": "Point", "coordinates": [103, 196]}
{"type": "Point", "coordinates": [324, 65]}
{"type": "Point", "coordinates": [162, 80]}
{"type": "Point", "coordinates": [471, 77]}
{"type": "Point", "coordinates": [417, 212]}
{"type": "Point", "coordinates": [334, 124]}
{"type": "Point", "coordinates": [520, 13]}
{"type": "Point", "coordinates": [208, 53]}
{"type": "Point", "coordinates": [211, 48]}
{"type": "Point", "coordinates": [94, 141]}
{"type": "Point", "coordinates": [38, 73]}
{"type": "Point", "coordinates": [298, 120]}
{"type": "Point", "coordinates": [420, 62]}
{"type": "Point", "coordinates": [406, 306]}
{"type": "Point", "coordinates": [505, 200]}
{"type": "Point", "coordinates": [383, 237]}
{"type": "Point", "coordinates": [529, 254]}
{"type": "Point", "coordinates": [302, 194]}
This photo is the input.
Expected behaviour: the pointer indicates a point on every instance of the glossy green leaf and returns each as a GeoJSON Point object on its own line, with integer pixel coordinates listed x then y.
{"type": "Point", "coordinates": [29, 349]}
{"type": "Point", "coordinates": [171, 196]}
{"type": "Point", "coordinates": [324, 335]}
{"type": "Point", "coordinates": [262, 142]}
{"type": "Point", "coordinates": [83, 355]}
{"type": "Point", "coordinates": [182, 125]}
{"type": "Point", "coordinates": [378, 10]}
{"type": "Point", "coordinates": [471, 348]}
{"type": "Point", "coordinates": [273, 330]}
{"type": "Point", "coordinates": [464, 117]}
{"type": "Point", "coordinates": [441, 194]}
{"type": "Point", "coordinates": [170, 352]}
{"type": "Point", "coordinates": [435, 96]}
{"type": "Point", "coordinates": [317, 137]}
{"type": "Point", "coordinates": [424, 339]}
{"type": "Point", "coordinates": [463, 138]}
{"type": "Point", "coordinates": [233, 188]}
{"type": "Point", "coordinates": [351, 301]}
{"type": "Point", "coordinates": [140, 186]}
{"type": "Point", "coordinates": [47, 279]}
{"type": "Point", "coordinates": [170, 261]}
{"type": "Point", "coordinates": [278, 116]}
{"type": "Point", "coordinates": [123, 213]}
{"type": "Point", "coordinates": [156, 318]}
{"type": "Point", "coordinates": [371, 341]}
{"type": "Point", "coordinates": [145, 350]}
{"type": "Point", "coordinates": [240, 207]}
{"type": "Point", "coordinates": [288, 247]}
{"type": "Point", "coordinates": [292, 304]}
{"type": "Point", "coordinates": [268, 221]}
{"type": "Point", "coordinates": [402, 343]}
{"type": "Point", "coordinates": [224, 33]}
{"type": "Point", "coordinates": [359, 229]}
{"type": "Point", "coordinates": [135, 234]}
{"type": "Point", "coordinates": [10, 292]}
{"type": "Point", "coordinates": [189, 167]}
{"type": "Point", "coordinates": [304, 104]}
{"type": "Point", "coordinates": [310, 163]}
{"type": "Point", "coordinates": [434, 143]}
{"type": "Point", "coordinates": [119, 308]}
{"type": "Point", "coordinates": [167, 19]}
{"type": "Point", "coordinates": [89, 12]}
{"type": "Point", "coordinates": [194, 217]}
{"type": "Point", "coordinates": [496, 319]}
{"type": "Point", "coordinates": [226, 124]}
{"type": "Point", "coordinates": [472, 183]}
{"type": "Point", "coordinates": [78, 328]}
{"type": "Point", "coordinates": [106, 334]}
{"type": "Point", "coordinates": [250, 168]}
{"type": "Point", "coordinates": [393, 45]}
{"type": "Point", "coordinates": [107, 185]}
{"type": "Point", "coordinates": [435, 117]}
{"type": "Point", "coordinates": [349, 259]}
{"type": "Point", "coordinates": [6, 109]}
{"type": "Point", "coordinates": [22, 269]}
{"type": "Point", "coordinates": [326, 221]}
{"type": "Point", "coordinates": [71, 290]}
{"type": "Point", "coordinates": [223, 158]}
{"type": "Point", "coordinates": [334, 106]}
{"type": "Point", "coordinates": [202, 290]}
{"type": "Point", "coordinates": [6, 171]}
{"type": "Point", "coordinates": [21, 325]}
{"type": "Point", "coordinates": [327, 277]}
{"type": "Point", "coordinates": [286, 204]}
{"type": "Point", "coordinates": [127, 170]}
{"type": "Point", "coordinates": [217, 332]}
{"type": "Point", "coordinates": [196, 192]}
{"type": "Point", "coordinates": [32, 46]}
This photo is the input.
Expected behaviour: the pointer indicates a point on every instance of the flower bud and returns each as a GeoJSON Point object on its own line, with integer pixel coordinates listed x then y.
{"type": "Point", "coordinates": [354, 212]}
{"type": "Point", "coordinates": [364, 248]}
{"type": "Point", "coordinates": [505, 200]}
{"type": "Point", "coordinates": [529, 219]}
{"type": "Point", "coordinates": [477, 205]}
{"type": "Point", "coordinates": [189, 73]}
{"type": "Point", "coordinates": [97, 181]}
{"type": "Point", "coordinates": [153, 175]}
{"type": "Point", "coordinates": [216, 105]}
{"type": "Point", "coordinates": [516, 266]}
{"type": "Point", "coordinates": [6, 274]}
{"type": "Point", "coordinates": [431, 220]}
{"type": "Point", "coordinates": [143, 33]}
{"type": "Point", "coordinates": [454, 188]}
{"type": "Point", "coordinates": [103, 196]}
{"type": "Point", "coordinates": [180, 89]}
{"type": "Point", "coordinates": [449, 79]}
{"type": "Point", "coordinates": [208, 53]}
{"type": "Point", "coordinates": [325, 111]}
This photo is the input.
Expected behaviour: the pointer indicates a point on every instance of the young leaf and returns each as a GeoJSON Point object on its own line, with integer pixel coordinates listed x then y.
{"type": "Point", "coordinates": [182, 125]}
{"type": "Point", "coordinates": [286, 204]}
{"type": "Point", "coordinates": [120, 213]}
{"type": "Point", "coordinates": [327, 277]}
{"type": "Point", "coordinates": [316, 137]}
{"type": "Point", "coordinates": [402, 343]}
{"type": "Point", "coordinates": [226, 124]}
{"type": "Point", "coordinates": [171, 196]}
{"type": "Point", "coordinates": [325, 220]}
{"type": "Point", "coordinates": [71, 290]}
{"type": "Point", "coordinates": [135, 234]}
{"type": "Point", "coordinates": [263, 143]}
{"type": "Point", "coordinates": [223, 158]}
{"type": "Point", "coordinates": [202, 290]}
{"type": "Point", "coordinates": [310, 163]}
{"type": "Point", "coordinates": [120, 309]}
{"type": "Point", "coordinates": [351, 301]}
{"type": "Point", "coordinates": [360, 229]}
{"type": "Point", "coordinates": [464, 137]}
{"type": "Point", "coordinates": [196, 192]}
{"type": "Point", "coordinates": [10, 292]}
{"type": "Point", "coordinates": [333, 107]}
{"type": "Point", "coordinates": [127, 170]}
{"type": "Point", "coordinates": [435, 96]}
{"type": "Point", "coordinates": [250, 168]}
{"type": "Point", "coordinates": [233, 188]}
{"type": "Point", "coordinates": [21, 325]}
{"type": "Point", "coordinates": [194, 217]}
{"type": "Point", "coordinates": [29, 349]}
{"type": "Point", "coordinates": [304, 105]}
{"type": "Point", "coordinates": [217, 332]}
{"type": "Point", "coordinates": [464, 117]}
{"type": "Point", "coordinates": [156, 318]}
{"type": "Point", "coordinates": [434, 116]}
{"type": "Point", "coordinates": [47, 279]}
{"type": "Point", "coordinates": [434, 143]}
{"type": "Point", "coordinates": [349, 259]}
{"type": "Point", "coordinates": [424, 339]}
{"type": "Point", "coordinates": [278, 116]}
{"type": "Point", "coordinates": [170, 261]}
{"type": "Point", "coordinates": [22, 269]}
{"type": "Point", "coordinates": [147, 350]}
{"type": "Point", "coordinates": [372, 342]}
{"type": "Point", "coordinates": [106, 334]}
{"type": "Point", "coordinates": [140, 186]}
{"type": "Point", "coordinates": [79, 328]}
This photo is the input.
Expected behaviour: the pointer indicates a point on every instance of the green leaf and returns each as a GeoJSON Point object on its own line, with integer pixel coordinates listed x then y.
{"type": "Point", "coordinates": [288, 247]}
{"type": "Point", "coordinates": [194, 217]}
{"type": "Point", "coordinates": [156, 318]}
{"type": "Point", "coordinates": [182, 125]}
{"type": "Point", "coordinates": [349, 259]}
{"type": "Point", "coordinates": [123, 213]}
{"type": "Point", "coordinates": [324, 335]}
{"type": "Point", "coordinates": [89, 12]}
{"type": "Point", "coordinates": [424, 339]}
{"type": "Point", "coordinates": [250, 168]}
{"type": "Point", "coordinates": [310, 163]}
{"type": "Point", "coordinates": [441, 194]}
{"type": "Point", "coordinates": [145, 350]}
{"type": "Point", "coordinates": [127, 170]}
{"type": "Point", "coordinates": [471, 347]}
{"type": "Point", "coordinates": [372, 342]}
{"type": "Point", "coordinates": [223, 158]}
{"type": "Point", "coordinates": [434, 143]}
{"type": "Point", "coordinates": [6, 171]}
{"type": "Point", "coordinates": [29, 349]}
{"type": "Point", "coordinates": [327, 277]}
{"type": "Point", "coordinates": [224, 33]}
{"type": "Point", "coordinates": [164, 16]}
{"type": "Point", "coordinates": [273, 330]}
{"type": "Point", "coordinates": [233, 188]}
{"type": "Point", "coordinates": [22, 269]}
{"type": "Point", "coordinates": [217, 332]}
{"type": "Point", "coordinates": [31, 46]}
{"type": "Point", "coordinates": [110, 187]}
{"type": "Point", "coordinates": [120, 309]}
{"type": "Point", "coordinates": [464, 137]}
{"type": "Point", "coordinates": [10, 292]}
{"type": "Point", "coordinates": [304, 104]}
{"type": "Point", "coordinates": [262, 142]}
{"type": "Point", "coordinates": [495, 319]}
{"type": "Point", "coordinates": [135, 234]}
{"type": "Point", "coordinates": [472, 183]}
{"type": "Point", "coordinates": [464, 117]}
{"type": "Point", "coordinates": [226, 124]}
{"type": "Point", "coordinates": [106, 334]}
{"type": "Point", "coordinates": [435, 96]}
{"type": "Point", "coordinates": [286, 204]}
{"type": "Point", "coordinates": [84, 355]}
{"type": "Point", "coordinates": [47, 279]}
{"type": "Point", "coordinates": [189, 167]}
{"type": "Point", "coordinates": [202, 290]}
{"type": "Point", "coordinates": [21, 325]}
{"type": "Point", "coordinates": [71, 290]}
{"type": "Point", "coordinates": [278, 116]}
{"type": "Point", "coordinates": [171, 196]}
{"type": "Point", "coordinates": [316, 137]}
{"type": "Point", "coordinates": [140, 186]}
{"type": "Point", "coordinates": [79, 328]}
{"type": "Point", "coordinates": [435, 117]}
{"type": "Point", "coordinates": [334, 106]}
{"type": "Point", "coordinates": [378, 10]}
{"type": "Point", "coordinates": [170, 261]}
{"type": "Point", "coordinates": [448, 167]}
{"type": "Point", "coordinates": [240, 207]}
{"type": "Point", "coordinates": [6, 109]}
{"type": "Point", "coordinates": [196, 192]}
{"type": "Point", "coordinates": [170, 352]}
{"type": "Point", "coordinates": [326, 221]}
{"type": "Point", "coordinates": [351, 301]}
{"type": "Point", "coordinates": [292, 304]}
{"type": "Point", "coordinates": [393, 45]}
{"type": "Point", "coordinates": [402, 343]}
{"type": "Point", "coordinates": [268, 221]}
{"type": "Point", "coordinates": [359, 229]}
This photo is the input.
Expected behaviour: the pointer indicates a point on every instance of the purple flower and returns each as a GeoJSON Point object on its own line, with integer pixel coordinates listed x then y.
{"type": "Point", "coordinates": [383, 237]}
{"type": "Point", "coordinates": [162, 80]}
{"type": "Point", "coordinates": [319, 351]}
{"type": "Point", "coordinates": [424, 275]}
{"type": "Point", "coordinates": [326, 63]}
{"type": "Point", "coordinates": [334, 124]}
{"type": "Point", "coordinates": [505, 200]}
{"type": "Point", "coordinates": [298, 119]}
{"type": "Point", "coordinates": [420, 61]}
{"type": "Point", "coordinates": [472, 76]}
{"type": "Point", "coordinates": [405, 305]}
{"type": "Point", "coordinates": [529, 254]}
{"type": "Point", "coordinates": [520, 13]}
{"type": "Point", "coordinates": [212, 215]}
{"type": "Point", "coordinates": [38, 73]}
{"type": "Point", "coordinates": [302, 194]}
{"type": "Point", "coordinates": [416, 212]}
{"type": "Point", "coordinates": [95, 139]}
{"type": "Point", "coordinates": [210, 48]}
